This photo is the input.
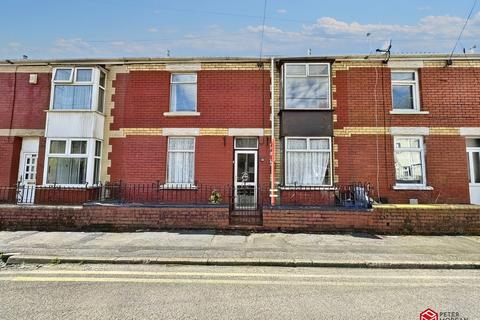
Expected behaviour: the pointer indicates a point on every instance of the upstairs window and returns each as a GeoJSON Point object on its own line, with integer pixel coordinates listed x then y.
{"type": "Point", "coordinates": [307, 86]}
{"type": "Point", "coordinates": [183, 92]}
{"type": "Point", "coordinates": [405, 92]}
{"type": "Point", "coordinates": [78, 89]}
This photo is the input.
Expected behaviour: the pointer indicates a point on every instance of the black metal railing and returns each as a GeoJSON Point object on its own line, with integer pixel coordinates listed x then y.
{"type": "Point", "coordinates": [238, 197]}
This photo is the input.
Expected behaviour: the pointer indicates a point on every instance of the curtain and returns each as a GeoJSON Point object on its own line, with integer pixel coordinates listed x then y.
{"type": "Point", "coordinates": [67, 170]}
{"type": "Point", "coordinates": [307, 168]}
{"type": "Point", "coordinates": [72, 97]}
{"type": "Point", "coordinates": [181, 160]}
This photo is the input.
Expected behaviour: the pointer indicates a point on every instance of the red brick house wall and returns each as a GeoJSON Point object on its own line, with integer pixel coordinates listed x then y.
{"type": "Point", "coordinates": [30, 101]}
{"type": "Point", "coordinates": [225, 99]}
{"type": "Point", "coordinates": [452, 98]}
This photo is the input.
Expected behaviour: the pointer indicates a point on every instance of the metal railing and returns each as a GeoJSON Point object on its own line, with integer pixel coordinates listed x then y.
{"type": "Point", "coordinates": [238, 197]}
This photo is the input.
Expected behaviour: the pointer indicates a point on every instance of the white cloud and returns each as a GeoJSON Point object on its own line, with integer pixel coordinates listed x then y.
{"type": "Point", "coordinates": [327, 35]}
{"type": "Point", "coordinates": [281, 11]}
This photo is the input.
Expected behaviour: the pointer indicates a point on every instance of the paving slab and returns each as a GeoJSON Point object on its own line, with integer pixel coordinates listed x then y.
{"type": "Point", "coordinates": [210, 245]}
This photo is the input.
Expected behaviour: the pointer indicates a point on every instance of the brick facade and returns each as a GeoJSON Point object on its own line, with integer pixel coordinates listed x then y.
{"type": "Point", "coordinates": [449, 100]}
{"type": "Point", "coordinates": [235, 95]}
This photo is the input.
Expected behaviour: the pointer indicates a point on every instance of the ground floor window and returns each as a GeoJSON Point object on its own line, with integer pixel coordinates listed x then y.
{"type": "Point", "coordinates": [409, 161]}
{"type": "Point", "coordinates": [308, 161]}
{"type": "Point", "coordinates": [68, 161]}
{"type": "Point", "coordinates": [181, 161]}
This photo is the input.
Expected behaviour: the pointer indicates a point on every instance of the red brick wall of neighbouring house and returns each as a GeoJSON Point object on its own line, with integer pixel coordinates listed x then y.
{"type": "Point", "coordinates": [226, 99]}
{"type": "Point", "coordinates": [450, 95]}
{"type": "Point", "coordinates": [452, 98]}
{"type": "Point", "coordinates": [30, 101]}
{"type": "Point", "coordinates": [9, 159]}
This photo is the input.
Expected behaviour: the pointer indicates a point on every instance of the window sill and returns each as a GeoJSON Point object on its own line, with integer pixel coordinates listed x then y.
{"type": "Point", "coordinates": [178, 186]}
{"type": "Point", "coordinates": [413, 187]}
{"type": "Point", "coordinates": [74, 110]}
{"type": "Point", "coordinates": [408, 112]}
{"type": "Point", "coordinates": [306, 109]}
{"type": "Point", "coordinates": [182, 114]}
{"type": "Point", "coordinates": [307, 188]}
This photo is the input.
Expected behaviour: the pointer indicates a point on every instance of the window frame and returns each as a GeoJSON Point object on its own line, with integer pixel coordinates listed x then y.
{"type": "Point", "coordinates": [94, 83]}
{"type": "Point", "coordinates": [89, 155]}
{"type": "Point", "coordinates": [415, 91]}
{"type": "Point", "coordinates": [172, 83]}
{"type": "Point", "coordinates": [177, 184]}
{"type": "Point", "coordinates": [420, 149]}
{"type": "Point", "coordinates": [307, 71]}
{"type": "Point", "coordinates": [330, 150]}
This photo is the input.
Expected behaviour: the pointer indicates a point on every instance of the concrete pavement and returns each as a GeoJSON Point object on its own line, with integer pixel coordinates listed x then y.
{"type": "Point", "coordinates": [362, 250]}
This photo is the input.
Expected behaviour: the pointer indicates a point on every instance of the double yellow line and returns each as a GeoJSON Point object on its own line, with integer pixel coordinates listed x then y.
{"type": "Point", "coordinates": [210, 278]}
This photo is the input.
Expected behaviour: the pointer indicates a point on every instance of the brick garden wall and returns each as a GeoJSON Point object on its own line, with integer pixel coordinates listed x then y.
{"type": "Point", "coordinates": [385, 219]}
{"type": "Point", "coordinates": [110, 218]}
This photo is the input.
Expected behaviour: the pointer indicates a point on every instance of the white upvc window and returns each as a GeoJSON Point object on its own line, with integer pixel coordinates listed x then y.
{"type": "Point", "coordinates": [181, 161]}
{"type": "Point", "coordinates": [409, 161]}
{"type": "Point", "coordinates": [308, 161]}
{"type": "Point", "coordinates": [72, 162]}
{"type": "Point", "coordinates": [81, 88]}
{"type": "Point", "coordinates": [183, 92]}
{"type": "Point", "coordinates": [405, 91]}
{"type": "Point", "coordinates": [307, 86]}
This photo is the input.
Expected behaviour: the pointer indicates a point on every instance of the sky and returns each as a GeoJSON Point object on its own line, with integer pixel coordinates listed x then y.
{"type": "Point", "coordinates": [46, 29]}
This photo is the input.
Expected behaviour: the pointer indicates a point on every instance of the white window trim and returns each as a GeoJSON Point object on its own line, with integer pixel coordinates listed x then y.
{"type": "Point", "coordinates": [173, 185]}
{"type": "Point", "coordinates": [416, 93]}
{"type": "Point", "coordinates": [173, 112]}
{"type": "Point", "coordinates": [95, 83]}
{"type": "Point", "coordinates": [411, 186]}
{"type": "Point", "coordinates": [330, 150]}
{"type": "Point", "coordinates": [285, 66]}
{"type": "Point", "coordinates": [89, 155]}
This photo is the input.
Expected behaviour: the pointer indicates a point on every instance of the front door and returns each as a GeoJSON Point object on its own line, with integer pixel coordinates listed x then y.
{"type": "Point", "coordinates": [473, 156]}
{"type": "Point", "coordinates": [26, 187]}
{"type": "Point", "coordinates": [245, 180]}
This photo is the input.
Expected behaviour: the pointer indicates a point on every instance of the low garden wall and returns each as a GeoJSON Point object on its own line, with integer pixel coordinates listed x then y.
{"type": "Point", "coordinates": [382, 219]}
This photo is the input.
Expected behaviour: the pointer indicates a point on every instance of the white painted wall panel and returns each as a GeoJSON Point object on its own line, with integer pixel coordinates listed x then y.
{"type": "Point", "coordinates": [74, 124]}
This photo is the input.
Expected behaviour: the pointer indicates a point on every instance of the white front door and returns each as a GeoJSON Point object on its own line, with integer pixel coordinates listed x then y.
{"type": "Point", "coordinates": [245, 180]}
{"type": "Point", "coordinates": [26, 187]}
{"type": "Point", "coordinates": [473, 155]}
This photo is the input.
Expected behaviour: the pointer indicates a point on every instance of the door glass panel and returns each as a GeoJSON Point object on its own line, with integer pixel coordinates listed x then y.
{"type": "Point", "coordinates": [245, 197]}
{"type": "Point", "coordinates": [245, 167]}
{"type": "Point", "coordinates": [476, 167]}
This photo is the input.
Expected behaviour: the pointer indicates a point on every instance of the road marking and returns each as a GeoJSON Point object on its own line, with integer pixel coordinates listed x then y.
{"type": "Point", "coordinates": [225, 282]}
{"type": "Point", "coordinates": [230, 274]}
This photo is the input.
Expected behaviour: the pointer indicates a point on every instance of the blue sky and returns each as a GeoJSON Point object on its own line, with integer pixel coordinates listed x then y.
{"type": "Point", "coordinates": [128, 28]}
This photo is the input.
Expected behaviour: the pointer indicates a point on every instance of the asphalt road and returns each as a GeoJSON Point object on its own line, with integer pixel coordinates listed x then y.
{"type": "Point", "coordinates": [202, 292]}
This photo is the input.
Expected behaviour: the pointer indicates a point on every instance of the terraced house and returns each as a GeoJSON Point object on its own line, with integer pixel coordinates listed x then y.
{"type": "Point", "coordinates": [243, 133]}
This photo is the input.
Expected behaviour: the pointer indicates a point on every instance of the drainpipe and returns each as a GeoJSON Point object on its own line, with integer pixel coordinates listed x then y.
{"type": "Point", "coordinates": [272, 121]}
